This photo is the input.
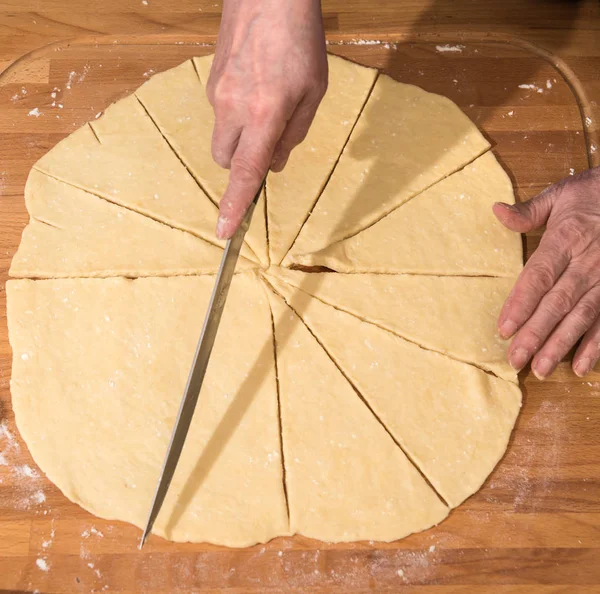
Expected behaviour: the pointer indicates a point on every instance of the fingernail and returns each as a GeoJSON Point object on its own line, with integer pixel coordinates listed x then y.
{"type": "Point", "coordinates": [507, 328]}
{"type": "Point", "coordinates": [221, 224]}
{"type": "Point", "coordinates": [543, 368]}
{"type": "Point", "coordinates": [275, 158]}
{"type": "Point", "coordinates": [582, 367]}
{"type": "Point", "coordinates": [510, 207]}
{"type": "Point", "coordinates": [518, 358]}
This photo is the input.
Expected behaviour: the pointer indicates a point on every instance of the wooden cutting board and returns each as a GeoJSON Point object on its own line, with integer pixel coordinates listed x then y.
{"type": "Point", "coordinates": [533, 527]}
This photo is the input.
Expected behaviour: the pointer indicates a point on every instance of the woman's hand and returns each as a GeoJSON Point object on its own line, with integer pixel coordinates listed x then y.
{"type": "Point", "coordinates": [267, 80]}
{"type": "Point", "coordinates": [556, 299]}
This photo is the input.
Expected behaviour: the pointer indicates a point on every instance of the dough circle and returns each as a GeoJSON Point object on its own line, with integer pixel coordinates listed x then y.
{"type": "Point", "coordinates": [361, 403]}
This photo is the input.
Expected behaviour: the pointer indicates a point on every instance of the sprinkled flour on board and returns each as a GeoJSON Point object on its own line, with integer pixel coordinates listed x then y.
{"type": "Point", "coordinates": [42, 564]}
{"type": "Point", "coordinates": [35, 112]}
{"type": "Point", "coordinates": [531, 87]}
{"type": "Point", "coordinates": [449, 48]}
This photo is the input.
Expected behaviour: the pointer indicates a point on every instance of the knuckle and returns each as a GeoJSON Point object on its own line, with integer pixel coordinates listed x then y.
{"type": "Point", "coordinates": [532, 338]}
{"type": "Point", "coordinates": [563, 341]}
{"type": "Point", "coordinates": [263, 110]}
{"type": "Point", "coordinates": [541, 276]}
{"type": "Point", "coordinates": [559, 302]}
{"type": "Point", "coordinates": [245, 171]}
{"type": "Point", "coordinates": [586, 313]}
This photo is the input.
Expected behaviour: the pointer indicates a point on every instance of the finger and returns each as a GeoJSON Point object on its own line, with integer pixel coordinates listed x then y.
{"type": "Point", "coordinates": [566, 335]}
{"type": "Point", "coordinates": [294, 133]}
{"type": "Point", "coordinates": [529, 215]}
{"type": "Point", "coordinates": [249, 166]}
{"type": "Point", "coordinates": [588, 352]}
{"type": "Point", "coordinates": [557, 305]}
{"type": "Point", "coordinates": [225, 138]}
{"type": "Point", "coordinates": [536, 279]}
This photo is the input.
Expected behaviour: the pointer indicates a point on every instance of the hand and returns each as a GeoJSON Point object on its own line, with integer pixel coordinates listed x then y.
{"type": "Point", "coordinates": [556, 299]}
{"type": "Point", "coordinates": [267, 80]}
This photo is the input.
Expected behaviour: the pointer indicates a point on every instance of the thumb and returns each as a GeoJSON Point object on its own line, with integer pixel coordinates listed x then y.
{"type": "Point", "coordinates": [526, 216]}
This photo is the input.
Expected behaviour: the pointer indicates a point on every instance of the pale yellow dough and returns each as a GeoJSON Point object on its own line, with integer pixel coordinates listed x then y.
{"type": "Point", "coordinates": [451, 315]}
{"type": "Point", "coordinates": [123, 158]}
{"type": "Point", "coordinates": [453, 419]}
{"type": "Point", "coordinates": [405, 141]}
{"type": "Point", "coordinates": [72, 233]}
{"type": "Point", "coordinates": [449, 229]}
{"type": "Point", "coordinates": [177, 102]}
{"type": "Point", "coordinates": [381, 390]}
{"type": "Point", "coordinates": [96, 392]}
{"type": "Point", "coordinates": [293, 192]}
{"type": "Point", "coordinates": [346, 478]}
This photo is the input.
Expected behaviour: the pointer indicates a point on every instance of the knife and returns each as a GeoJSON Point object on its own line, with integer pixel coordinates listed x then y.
{"type": "Point", "coordinates": [200, 363]}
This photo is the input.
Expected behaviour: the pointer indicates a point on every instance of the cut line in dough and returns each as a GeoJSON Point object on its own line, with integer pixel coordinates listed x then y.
{"type": "Point", "coordinates": [452, 315]}
{"type": "Point", "coordinates": [73, 233]}
{"type": "Point", "coordinates": [449, 229]}
{"type": "Point", "coordinates": [451, 419]}
{"type": "Point", "coordinates": [176, 101]}
{"type": "Point", "coordinates": [346, 478]}
{"type": "Point", "coordinates": [85, 400]}
{"type": "Point", "coordinates": [388, 160]}
{"type": "Point", "coordinates": [146, 176]}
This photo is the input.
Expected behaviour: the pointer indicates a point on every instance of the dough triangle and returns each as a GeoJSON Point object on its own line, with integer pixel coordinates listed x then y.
{"type": "Point", "coordinates": [96, 394]}
{"type": "Point", "coordinates": [451, 315]}
{"type": "Point", "coordinates": [346, 478]}
{"type": "Point", "coordinates": [293, 192]}
{"type": "Point", "coordinates": [449, 229]}
{"type": "Point", "coordinates": [405, 140]}
{"type": "Point", "coordinates": [123, 158]}
{"type": "Point", "coordinates": [452, 419]}
{"type": "Point", "coordinates": [73, 233]}
{"type": "Point", "coordinates": [176, 101]}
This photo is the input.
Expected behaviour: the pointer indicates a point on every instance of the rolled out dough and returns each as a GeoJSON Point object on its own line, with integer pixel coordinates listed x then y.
{"type": "Point", "coordinates": [72, 233]}
{"type": "Point", "coordinates": [405, 141]}
{"type": "Point", "coordinates": [96, 392]}
{"type": "Point", "coordinates": [448, 229]}
{"type": "Point", "coordinates": [177, 102]}
{"type": "Point", "coordinates": [451, 315]}
{"type": "Point", "coordinates": [123, 158]}
{"type": "Point", "coordinates": [456, 430]}
{"type": "Point", "coordinates": [292, 193]}
{"type": "Point", "coordinates": [376, 398]}
{"type": "Point", "coordinates": [346, 478]}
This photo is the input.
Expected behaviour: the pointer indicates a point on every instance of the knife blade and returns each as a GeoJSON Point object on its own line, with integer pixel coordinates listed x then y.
{"type": "Point", "coordinates": [199, 364]}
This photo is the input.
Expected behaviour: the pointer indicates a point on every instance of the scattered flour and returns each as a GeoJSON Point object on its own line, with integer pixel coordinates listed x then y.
{"type": "Point", "coordinates": [26, 471]}
{"type": "Point", "coordinates": [571, 171]}
{"type": "Point", "coordinates": [42, 564]}
{"type": "Point", "coordinates": [532, 87]}
{"type": "Point", "coordinates": [74, 77]}
{"type": "Point", "coordinates": [588, 121]}
{"type": "Point", "coordinates": [35, 112]}
{"type": "Point", "coordinates": [449, 48]}
{"type": "Point", "coordinates": [366, 42]}
{"type": "Point", "coordinates": [94, 531]}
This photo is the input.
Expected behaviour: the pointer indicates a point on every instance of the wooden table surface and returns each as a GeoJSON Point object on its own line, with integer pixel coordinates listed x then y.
{"type": "Point", "coordinates": [535, 525]}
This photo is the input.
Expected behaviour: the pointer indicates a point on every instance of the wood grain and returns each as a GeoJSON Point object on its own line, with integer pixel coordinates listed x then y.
{"type": "Point", "coordinates": [535, 526]}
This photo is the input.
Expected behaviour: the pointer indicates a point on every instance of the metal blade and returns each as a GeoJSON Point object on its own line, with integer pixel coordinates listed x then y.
{"type": "Point", "coordinates": [200, 363]}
